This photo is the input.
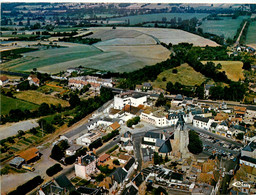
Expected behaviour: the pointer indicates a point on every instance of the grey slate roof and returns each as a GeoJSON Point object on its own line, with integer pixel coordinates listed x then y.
{"type": "Point", "coordinates": [166, 147]}
{"type": "Point", "coordinates": [159, 142]}
{"type": "Point", "coordinates": [87, 159]}
{"type": "Point", "coordinates": [153, 135]}
{"type": "Point", "coordinates": [147, 152]}
{"type": "Point", "coordinates": [248, 159]}
{"type": "Point", "coordinates": [214, 124]}
{"type": "Point", "coordinates": [199, 118]}
{"type": "Point", "coordinates": [148, 143]}
{"type": "Point", "coordinates": [119, 175]}
{"type": "Point", "coordinates": [131, 190]}
{"type": "Point", "coordinates": [17, 161]}
{"type": "Point", "coordinates": [64, 182]}
{"type": "Point", "coordinates": [129, 164]}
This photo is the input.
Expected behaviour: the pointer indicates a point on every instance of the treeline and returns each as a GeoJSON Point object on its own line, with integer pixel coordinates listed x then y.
{"type": "Point", "coordinates": [27, 187]}
{"type": "Point", "coordinates": [16, 115]}
{"type": "Point", "coordinates": [15, 53]}
{"type": "Point", "coordinates": [88, 41]}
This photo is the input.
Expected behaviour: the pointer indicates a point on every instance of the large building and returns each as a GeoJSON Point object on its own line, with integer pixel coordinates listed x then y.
{"type": "Point", "coordinates": [132, 99]}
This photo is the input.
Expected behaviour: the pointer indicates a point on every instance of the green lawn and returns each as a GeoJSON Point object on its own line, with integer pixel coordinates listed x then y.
{"type": "Point", "coordinates": [186, 75]}
{"type": "Point", "coordinates": [8, 103]}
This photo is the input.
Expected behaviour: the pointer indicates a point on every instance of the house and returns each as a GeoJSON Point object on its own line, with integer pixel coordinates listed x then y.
{"type": "Point", "coordinates": [86, 166]}
{"type": "Point", "coordinates": [17, 162]}
{"type": "Point", "coordinates": [221, 116]}
{"type": "Point", "coordinates": [3, 80]}
{"type": "Point", "coordinates": [249, 150]}
{"type": "Point", "coordinates": [72, 150]}
{"type": "Point", "coordinates": [82, 190]}
{"type": "Point", "coordinates": [103, 158]}
{"type": "Point", "coordinates": [115, 126]}
{"type": "Point", "coordinates": [202, 122]}
{"type": "Point", "coordinates": [245, 160]}
{"type": "Point", "coordinates": [251, 112]}
{"type": "Point", "coordinates": [30, 155]}
{"type": "Point", "coordinates": [152, 140]}
{"type": "Point", "coordinates": [147, 154]}
{"type": "Point", "coordinates": [207, 90]}
{"type": "Point", "coordinates": [52, 188]}
{"type": "Point", "coordinates": [87, 138]}
{"type": "Point", "coordinates": [130, 166]}
{"type": "Point", "coordinates": [128, 146]}
{"type": "Point", "coordinates": [157, 118]}
{"type": "Point", "coordinates": [126, 136]}
{"type": "Point", "coordinates": [143, 87]}
{"type": "Point", "coordinates": [172, 118]}
{"type": "Point", "coordinates": [34, 81]}
{"type": "Point", "coordinates": [133, 99]}
{"type": "Point", "coordinates": [240, 111]}
{"type": "Point", "coordinates": [178, 99]}
{"type": "Point", "coordinates": [63, 182]}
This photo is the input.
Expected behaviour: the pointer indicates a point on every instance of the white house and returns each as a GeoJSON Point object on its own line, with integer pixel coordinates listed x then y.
{"type": "Point", "coordinates": [152, 139]}
{"type": "Point", "coordinates": [3, 80]}
{"type": "Point", "coordinates": [202, 123]}
{"type": "Point", "coordinates": [158, 121]}
{"type": "Point", "coordinates": [87, 139]}
{"type": "Point", "coordinates": [72, 150]}
{"type": "Point", "coordinates": [245, 160]}
{"type": "Point", "coordinates": [86, 166]}
{"type": "Point", "coordinates": [249, 150]}
{"type": "Point", "coordinates": [133, 99]}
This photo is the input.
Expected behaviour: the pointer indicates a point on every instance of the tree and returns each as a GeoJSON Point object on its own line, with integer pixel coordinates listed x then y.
{"type": "Point", "coordinates": [74, 100]}
{"type": "Point", "coordinates": [240, 136]}
{"type": "Point", "coordinates": [166, 158]}
{"type": "Point", "coordinates": [56, 153]}
{"type": "Point", "coordinates": [44, 109]}
{"type": "Point", "coordinates": [116, 162]}
{"type": "Point", "coordinates": [247, 65]}
{"type": "Point", "coordinates": [33, 131]}
{"type": "Point", "coordinates": [219, 66]}
{"type": "Point", "coordinates": [174, 71]}
{"type": "Point", "coordinates": [161, 101]}
{"type": "Point", "coordinates": [164, 79]}
{"type": "Point", "coordinates": [20, 133]}
{"type": "Point", "coordinates": [195, 145]}
{"type": "Point", "coordinates": [100, 177]}
{"type": "Point", "coordinates": [156, 158]}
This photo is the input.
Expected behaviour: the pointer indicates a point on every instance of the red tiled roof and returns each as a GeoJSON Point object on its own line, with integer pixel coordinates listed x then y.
{"type": "Point", "coordinates": [3, 78]}
{"type": "Point", "coordinates": [115, 125]}
{"type": "Point", "coordinates": [103, 157]}
{"type": "Point", "coordinates": [29, 154]}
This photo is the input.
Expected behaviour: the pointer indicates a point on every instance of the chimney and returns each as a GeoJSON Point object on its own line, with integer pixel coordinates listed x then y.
{"type": "Point", "coordinates": [79, 160]}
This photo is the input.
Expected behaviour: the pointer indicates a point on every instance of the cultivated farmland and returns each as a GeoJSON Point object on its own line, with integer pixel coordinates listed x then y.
{"type": "Point", "coordinates": [8, 103]}
{"type": "Point", "coordinates": [233, 69]}
{"type": "Point", "coordinates": [158, 17]}
{"type": "Point", "coordinates": [123, 49]}
{"type": "Point", "coordinates": [227, 26]}
{"type": "Point", "coordinates": [251, 37]}
{"type": "Point", "coordinates": [39, 98]}
{"type": "Point", "coordinates": [186, 75]}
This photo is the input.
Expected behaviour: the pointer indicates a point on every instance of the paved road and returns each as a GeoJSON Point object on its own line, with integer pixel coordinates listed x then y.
{"type": "Point", "coordinates": [12, 129]}
{"type": "Point", "coordinates": [240, 34]}
{"type": "Point", "coordinates": [108, 145]}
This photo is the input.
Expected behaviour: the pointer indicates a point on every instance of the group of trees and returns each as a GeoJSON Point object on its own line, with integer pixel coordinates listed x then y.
{"type": "Point", "coordinates": [195, 145]}
{"type": "Point", "coordinates": [54, 169]}
{"type": "Point", "coordinates": [133, 121]}
{"type": "Point", "coordinates": [83, 108]}
{"type": "Point", "coordinates": [234, 92]}
{"type": "Point", "coordinates": [58, 150]}
{"type": "Point", "coordinates": [109, 136]}
{"type": "Point", "coordinates": [88, 41]}
{"type": "Point", "coordinates": [158, 159]}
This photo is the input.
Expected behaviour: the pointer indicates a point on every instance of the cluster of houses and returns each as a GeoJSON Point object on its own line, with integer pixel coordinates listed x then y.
{"type": "Point", "coordinates": [94, 81]}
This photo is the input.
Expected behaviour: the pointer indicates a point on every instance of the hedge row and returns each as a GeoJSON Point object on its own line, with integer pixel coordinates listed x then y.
{"type": "Point", "coordinates": [54, 169]}
{"type": "Point", "coordinates": [28, 186]}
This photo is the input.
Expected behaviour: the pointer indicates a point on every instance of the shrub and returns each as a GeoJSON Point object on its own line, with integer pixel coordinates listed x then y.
{"type": "Point", "coordinates": [70, 159]}
{"type": "Point", "coordinates": [54, 169]}
{"type": "Point", "coordinates": [100, 177]}
{"type": "Point", "coordinates": [174, 71]}
{"type": "Point", "coordinates": [97, 143]}
{"type": "Point", "coordinates": [116, 162]}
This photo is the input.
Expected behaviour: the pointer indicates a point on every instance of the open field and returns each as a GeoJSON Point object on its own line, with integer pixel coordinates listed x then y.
{"type": "Point", "coordinates": [233, 69]}
{"type": "Point", "coordinates": [39, 98]}
{"type": "Point", "coordinates": [158, 17]}
{"type": "Point", "coordinates": [167, 36]}
{"type": "Point", "coordinates": [226, 27]}
{"type": "Point", "coordinates": [8, 103]}
{"type": "Point", "coordinates": [186, 75]}
{"type": "Point", "coordinates": [251, 37]}
{"type": "Point", "coordinates": [123, 49]}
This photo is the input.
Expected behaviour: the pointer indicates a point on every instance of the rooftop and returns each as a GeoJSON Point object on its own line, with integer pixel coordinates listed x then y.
{"type": "Point", "coordinates": [29, 154]}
